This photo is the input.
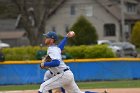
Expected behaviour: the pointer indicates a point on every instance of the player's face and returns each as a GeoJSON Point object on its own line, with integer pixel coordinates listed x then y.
{"type": "Point", "coordinates": [48, 41]}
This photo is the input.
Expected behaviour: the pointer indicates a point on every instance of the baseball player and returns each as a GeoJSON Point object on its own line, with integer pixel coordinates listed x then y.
{"type": "Point", "coordinates": [49, 74]}
{"type": "Point", "coordinates": [63, 76]}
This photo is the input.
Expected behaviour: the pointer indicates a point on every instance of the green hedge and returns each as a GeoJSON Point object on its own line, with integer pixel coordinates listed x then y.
{"type": "Point", "coordinates": [21, 53]}
{"type": "Point", "coordinates": [93, 51]}
{"type": "Point", "coordinates": [29, 53]}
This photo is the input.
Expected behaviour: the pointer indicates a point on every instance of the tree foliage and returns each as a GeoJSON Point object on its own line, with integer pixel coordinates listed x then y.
{"type": "Point", "coordinates": [135, 37]}
{"type": "Point", "coordinates": [7, 10]}
{"type": "Point", "coordinates": [85, 32]}
{"type": "Point", "coordinates": [34, 14]}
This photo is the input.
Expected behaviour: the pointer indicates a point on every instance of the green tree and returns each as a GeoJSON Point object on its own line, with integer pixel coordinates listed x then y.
{"type": "Point", "coordinates": [85, 32]}
{"type": "Point", "coordinates": [135, 37]}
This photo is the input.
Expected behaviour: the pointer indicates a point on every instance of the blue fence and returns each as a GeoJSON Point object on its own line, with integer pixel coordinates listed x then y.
{"type": "Point", "coordinates": [105, 70]}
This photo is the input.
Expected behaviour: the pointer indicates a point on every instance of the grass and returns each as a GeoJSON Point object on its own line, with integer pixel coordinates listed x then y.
{"type": "Point", "coordinates": [110, 84]}
{"type": "Point", "coordinates": [82, 85]}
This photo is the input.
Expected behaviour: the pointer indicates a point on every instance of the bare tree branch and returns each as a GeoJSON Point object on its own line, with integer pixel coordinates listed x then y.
{"type": "Point", "coordinates": [37, 12]}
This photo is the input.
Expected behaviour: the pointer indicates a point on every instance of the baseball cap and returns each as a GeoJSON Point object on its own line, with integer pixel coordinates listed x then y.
{"type": "Point", "coordinates": [51, 34]}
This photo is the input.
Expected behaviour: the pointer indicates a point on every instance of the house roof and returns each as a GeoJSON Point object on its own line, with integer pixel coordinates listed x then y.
{"type": "Point", "coordinates": [12, 34]}
{"type": "Point", "coordinates": [115, 10]}
{"type": "Point", "coordinates": [8, 30]}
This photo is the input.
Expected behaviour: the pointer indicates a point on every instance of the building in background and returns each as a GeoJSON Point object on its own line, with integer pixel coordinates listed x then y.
{"type": "Point", "coordinates": [11, 35]}
{"type": "Point", "coordinates": [105, 15]}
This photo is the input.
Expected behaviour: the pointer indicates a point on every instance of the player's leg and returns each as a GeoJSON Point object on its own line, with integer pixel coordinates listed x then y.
{"type": "Point", "coordinates": [47, 76]}
{"type": "Point", "coordinates": [96, 92]}
{"type": "Point", "coordinates": [72, 87]}
{"type": "Point", "coordinates": [63, 90]}
{"type": "Point", "coordinates": [52, 83]}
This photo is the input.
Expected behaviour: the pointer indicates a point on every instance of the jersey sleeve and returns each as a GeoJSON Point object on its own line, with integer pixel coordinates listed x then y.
{"type": "Point", "coordinates": [62, 44]}
{"type": "Point", "coordinates": [53, 63]}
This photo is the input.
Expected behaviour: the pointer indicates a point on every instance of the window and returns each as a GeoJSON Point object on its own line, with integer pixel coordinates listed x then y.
{"type": "Point", "coordinates": [53, 28]}
{"type": "Point", "coordinates": [89, 10]}
{"type": "Point", "coordinates": [131, 8]}
{"type": "Point", "coordinates": [109, 30]}
{"type": "Point", "coordinates": [72, 10]}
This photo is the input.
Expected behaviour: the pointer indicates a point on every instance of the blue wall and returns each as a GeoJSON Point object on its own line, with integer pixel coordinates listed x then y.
{"type": "Point", "coordinates": [106, 70]}
{"type": "Point", "coordinates": [20, 74]}
{"type": "Point", "coordinates": [31, 73]}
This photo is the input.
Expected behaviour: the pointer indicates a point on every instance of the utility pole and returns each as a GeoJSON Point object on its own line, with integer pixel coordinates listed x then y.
{"type": "Point", "coordinates": [122, 21]}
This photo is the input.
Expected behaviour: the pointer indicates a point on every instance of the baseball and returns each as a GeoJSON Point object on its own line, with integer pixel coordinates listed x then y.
{"type": "Point", "coordinates": [72, 33]}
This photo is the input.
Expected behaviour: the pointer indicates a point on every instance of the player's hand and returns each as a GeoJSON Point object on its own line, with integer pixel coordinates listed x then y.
{"type": "Point", "coordinates": [46, 58]}
{"type": "Point", "coordinates": [70, 34]}
{"type": "Point", "coordinates": [43, 59]}
{"type": "Point", "coordinates": [42, 66]}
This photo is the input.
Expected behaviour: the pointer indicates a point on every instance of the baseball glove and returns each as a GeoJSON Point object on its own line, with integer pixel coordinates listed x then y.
{"type": "Point", "coordinates": [46, 58]}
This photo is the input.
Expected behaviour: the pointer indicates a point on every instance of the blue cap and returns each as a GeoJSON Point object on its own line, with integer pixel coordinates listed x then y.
{"type": "Point", "coordinates": [51, 35]}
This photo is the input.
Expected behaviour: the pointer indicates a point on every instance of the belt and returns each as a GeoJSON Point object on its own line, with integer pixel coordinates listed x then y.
{"type": "Point", "coordinates": [60, 72]}
{"type": "Point", "coordinates": [63, 70]}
